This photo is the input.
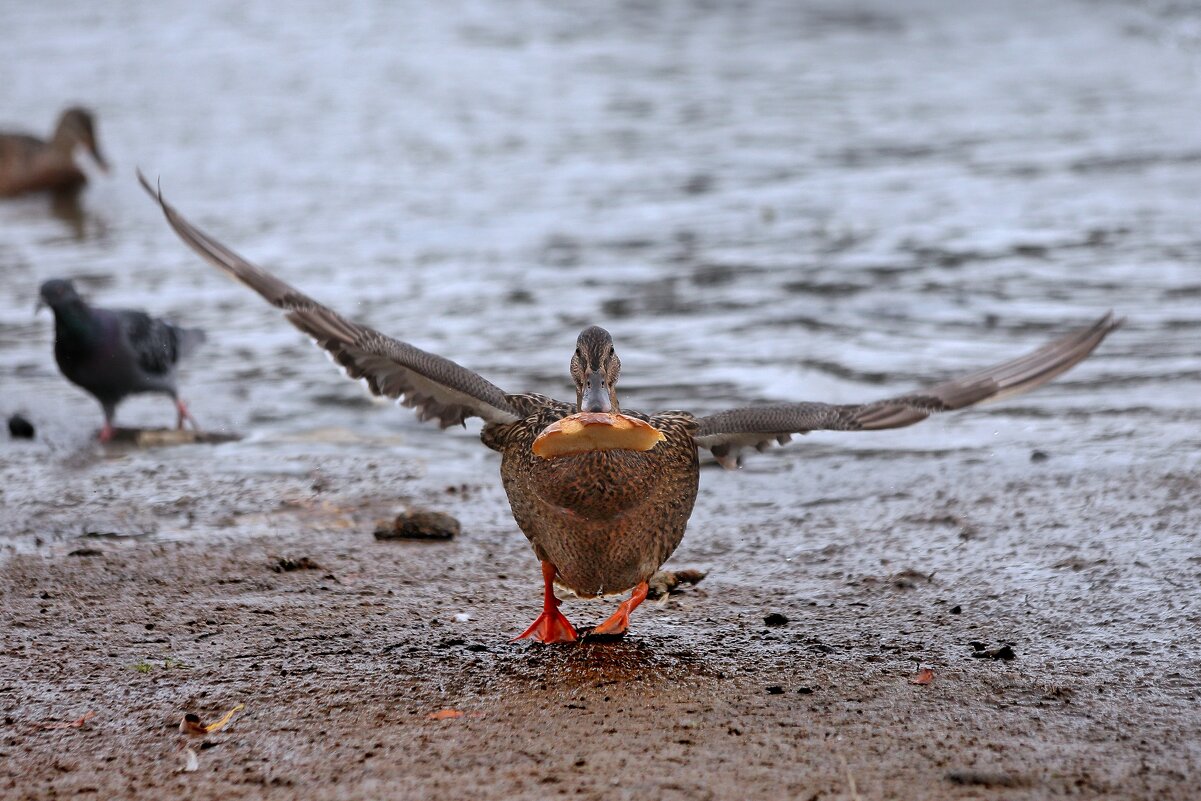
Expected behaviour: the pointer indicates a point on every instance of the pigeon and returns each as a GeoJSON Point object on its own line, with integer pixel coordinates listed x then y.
{"type": "Point", "coordinates": [114, 353]}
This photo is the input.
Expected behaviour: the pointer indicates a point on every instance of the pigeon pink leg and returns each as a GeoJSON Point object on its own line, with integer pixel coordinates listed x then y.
{"type": "Point", "coordinates": [182, 414]}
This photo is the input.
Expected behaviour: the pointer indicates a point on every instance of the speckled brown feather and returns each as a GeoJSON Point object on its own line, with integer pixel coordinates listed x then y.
{"type": "Point", "coordinates": [609, 519]}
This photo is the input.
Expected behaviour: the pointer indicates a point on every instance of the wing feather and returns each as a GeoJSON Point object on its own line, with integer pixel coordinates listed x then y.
{"type": "Point", "coordinates": [726, 433]}
{"type": "Point", "coordinates": [436, 387]}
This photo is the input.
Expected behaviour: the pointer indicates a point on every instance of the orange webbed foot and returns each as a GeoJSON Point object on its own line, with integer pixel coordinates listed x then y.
{"type": "Point", "coordinates": [619, 622]}
{"type": "Point", "coordinates": [551, 626]}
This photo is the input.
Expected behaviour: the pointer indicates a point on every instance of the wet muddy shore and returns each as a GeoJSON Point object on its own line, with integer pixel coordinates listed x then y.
{"type": "Point", "coordinates": [788, 672]}
{"type": "Point", "coordinates": [763, 202]}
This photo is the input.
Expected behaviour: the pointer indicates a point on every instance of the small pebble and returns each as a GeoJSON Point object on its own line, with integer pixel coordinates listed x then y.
{"type": "Point", "coordinates": [287, 565]}
{"type": "Point", "coordinates": [775, 689]}
{"type": "Point", "coordinates": [419, 524]}
{"type": "Point", "coordinates": [1039, 456]}
{"type": "Point", "coordinates": [20, 428]}
{"type": "Point", "coordinates": [775, 619]}
{"type": "Point", "coordinates": [1004, 652]}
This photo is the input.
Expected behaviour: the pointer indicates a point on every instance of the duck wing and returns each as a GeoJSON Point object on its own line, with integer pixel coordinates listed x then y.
{"type": "Point", "coordinates": [728, 432]}
{"type": "Point", "coordinates": [436, 387]}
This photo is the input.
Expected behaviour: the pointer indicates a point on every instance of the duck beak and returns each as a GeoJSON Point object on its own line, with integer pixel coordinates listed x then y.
{"type": "Point", "coordinates": [101, 161]}
{"type": "Point", "coordinates": [596, 396]}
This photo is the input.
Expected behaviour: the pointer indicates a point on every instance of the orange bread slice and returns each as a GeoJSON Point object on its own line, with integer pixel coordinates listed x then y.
{"type": "Point", "coordinates": [596, 431]}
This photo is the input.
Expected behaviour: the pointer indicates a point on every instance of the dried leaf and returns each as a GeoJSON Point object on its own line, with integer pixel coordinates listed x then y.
{"type": "Point", "coordinates": [220, 724]}
{"type": "Point", "coordinates": [74, 724]}
{"type": "Point", "coordinates": [445, 714]}
{"type": "Point", "coordinates": [192, 725]}
{"type": "Point", "coordinates": [924, 676]}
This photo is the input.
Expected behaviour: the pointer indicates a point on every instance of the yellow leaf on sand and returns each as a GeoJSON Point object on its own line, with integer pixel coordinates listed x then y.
{"type": "Point", "coordinates": [226, 718]}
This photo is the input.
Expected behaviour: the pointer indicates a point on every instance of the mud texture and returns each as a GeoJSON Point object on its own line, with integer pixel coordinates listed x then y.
{"type": "Point", "coordinates": [767, 201]}
{"type": "Point", "coordinates": [713, 695]}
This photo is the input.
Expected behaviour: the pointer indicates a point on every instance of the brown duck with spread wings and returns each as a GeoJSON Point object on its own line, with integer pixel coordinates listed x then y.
{"type": "Point", "coordinates": [602, 521]}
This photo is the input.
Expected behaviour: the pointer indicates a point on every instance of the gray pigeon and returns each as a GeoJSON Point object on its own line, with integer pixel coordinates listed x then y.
{"type": "Point", "coordinates": [113, 353]}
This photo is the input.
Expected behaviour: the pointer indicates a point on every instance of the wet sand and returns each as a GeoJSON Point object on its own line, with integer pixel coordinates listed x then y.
{"type": "Point", "coordinates": [763, 202]}
{"type": "Point", "coordinates": [1086, 571]}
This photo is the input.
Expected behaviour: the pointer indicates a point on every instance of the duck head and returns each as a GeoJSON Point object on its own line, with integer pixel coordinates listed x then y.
{"type": "Point", "coordinates": [594, 369]}
{"type": "Point", "coordinates": [77, 127]}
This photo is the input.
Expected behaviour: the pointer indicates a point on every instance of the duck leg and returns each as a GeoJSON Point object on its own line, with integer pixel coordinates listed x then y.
{"type": "Point", "coordinates": [620, 620]}
{"type": "Point", "coordinates": [551, 625]}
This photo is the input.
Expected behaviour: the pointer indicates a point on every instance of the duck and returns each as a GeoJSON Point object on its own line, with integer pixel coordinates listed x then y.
{"type": "Point", "coordinates": [602, 522]}
{"type": "Point", "coordinates": [29, 164]}
{"type": "Point", "coordinates": [115, 353]}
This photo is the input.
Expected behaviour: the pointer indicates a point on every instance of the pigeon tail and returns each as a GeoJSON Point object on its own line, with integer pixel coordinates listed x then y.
{"type": "Point", "coordinates": [189, 340]}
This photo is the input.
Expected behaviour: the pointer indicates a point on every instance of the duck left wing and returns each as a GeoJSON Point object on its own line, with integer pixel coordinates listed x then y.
{"type": "Point", "coordinates": [436, 387]}
{"type": "Point", "coordinates": [727, 433]}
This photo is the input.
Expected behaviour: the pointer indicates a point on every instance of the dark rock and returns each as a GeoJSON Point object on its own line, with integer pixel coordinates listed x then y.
{"type": "Point", "coordinates": [419, 524]}
{"type": "Point", "coordinates": [956, 609]}
{"type": "Point", "coordinates": [775, 689]}
{"type": "Point", "coordinates": [1004, 653]}
{"type": "Point", "coordinates": [775, 619]}
{"type": "Point", "coordinates": [86, 552]}
{"type": "Point", "coordinates": [20, 428]}
{"type": "Point", "coordinates": [1039, 456]}
{"type": "Point", "coordinates": [804, 690]}
{"type": "Point", "coordinates": [287, 565]}
{"type": "Point", "coordinates": [979, 778]}
{"type": "Point", "coordinates": [665, 582]}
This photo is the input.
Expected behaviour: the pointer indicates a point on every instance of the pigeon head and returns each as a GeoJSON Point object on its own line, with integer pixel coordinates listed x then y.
{"type": "Point", "coordinates": [595, 369]}
{"type": "Point", "coordinates": [57, 293]}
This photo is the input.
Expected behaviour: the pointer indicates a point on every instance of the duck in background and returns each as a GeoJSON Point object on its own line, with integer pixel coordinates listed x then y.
{"type": "Point", "coordinates": [29, 164]}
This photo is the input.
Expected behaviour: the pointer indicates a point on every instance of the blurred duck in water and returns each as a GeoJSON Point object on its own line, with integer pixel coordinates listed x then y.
{"type": "Point", "coordinates": [114, 353]}
{"type": "Point", "coordinates": [29, 164]}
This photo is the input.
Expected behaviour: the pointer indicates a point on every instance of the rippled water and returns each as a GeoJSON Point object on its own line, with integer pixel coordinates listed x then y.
{"type": "Point", "coordinates": [762, 201]}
